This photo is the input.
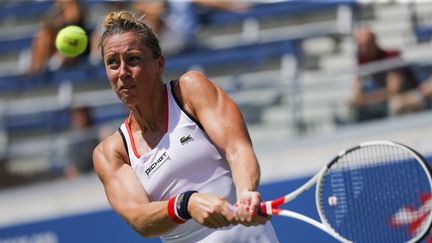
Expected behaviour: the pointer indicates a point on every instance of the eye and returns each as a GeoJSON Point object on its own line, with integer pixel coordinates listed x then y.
{"type": "Point", "coordinates": [134, 60]}
{"type": "Point", "coordinates": [111, 63]}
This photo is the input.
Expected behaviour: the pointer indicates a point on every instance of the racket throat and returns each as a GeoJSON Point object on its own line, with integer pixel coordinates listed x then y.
{"type": "Point", "coordinates": [267, 208]}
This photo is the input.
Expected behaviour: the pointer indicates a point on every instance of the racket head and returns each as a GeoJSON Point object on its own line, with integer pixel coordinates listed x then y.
{"type": "Point", "coordinates": [378, 191]}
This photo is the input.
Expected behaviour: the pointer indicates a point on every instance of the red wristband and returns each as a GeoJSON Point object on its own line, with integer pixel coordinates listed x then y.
{"type": "Point", "coordinates": [172, 211]}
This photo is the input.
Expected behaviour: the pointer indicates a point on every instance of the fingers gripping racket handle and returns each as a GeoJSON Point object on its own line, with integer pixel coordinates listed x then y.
{"type": "Point", "coordinates": [270, 207]}
{"type": "Point", "coordinates": [262, 209]}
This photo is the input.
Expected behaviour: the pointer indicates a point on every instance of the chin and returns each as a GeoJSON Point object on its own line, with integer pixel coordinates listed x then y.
{"type": "Point", "coordinates": [128, 101]}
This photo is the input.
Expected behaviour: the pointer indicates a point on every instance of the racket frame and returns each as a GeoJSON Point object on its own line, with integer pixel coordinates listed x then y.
{"type": "Point", "coordinates": [271, 207]}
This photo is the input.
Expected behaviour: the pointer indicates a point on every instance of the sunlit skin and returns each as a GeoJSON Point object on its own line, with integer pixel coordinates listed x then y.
{"type": "Point", "coordinates": [134, 74]}
{"type": "Point", "coordinates": [135, 77]}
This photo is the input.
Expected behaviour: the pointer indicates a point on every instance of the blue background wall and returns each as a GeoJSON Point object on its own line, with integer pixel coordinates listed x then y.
{"type": "Point", "coordinates": [107, 226]}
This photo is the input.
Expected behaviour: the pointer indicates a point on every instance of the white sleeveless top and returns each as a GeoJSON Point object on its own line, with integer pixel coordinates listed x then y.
{"type": "Point", "coordinates": [186, 159]}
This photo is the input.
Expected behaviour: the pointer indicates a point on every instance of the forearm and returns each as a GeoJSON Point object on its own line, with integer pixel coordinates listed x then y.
{"type": "Point", "coordinates": [361, 97]}
{"type": "Point", "coordinates": [246, 175]}
{"type": "Point", "coordinates": [245, 168]}
{"type": "Point", "coordinates": [375, 97]}
{"type": "Point", "coordinates": [150, 220]}
{"type": "Point", "coordinates": [372, 97]}
{"type": "Point", "coordinates": [125, 193]}
{"type": "Point", "coordinates": [224, 5]}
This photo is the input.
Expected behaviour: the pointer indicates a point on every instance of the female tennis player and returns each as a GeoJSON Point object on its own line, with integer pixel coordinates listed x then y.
{"type": "Point", "coordinates": [183, 156]}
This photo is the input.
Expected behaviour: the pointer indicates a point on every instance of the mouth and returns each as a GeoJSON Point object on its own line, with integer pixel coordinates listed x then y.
{"type": "Point", "coordinates": [127, 87]}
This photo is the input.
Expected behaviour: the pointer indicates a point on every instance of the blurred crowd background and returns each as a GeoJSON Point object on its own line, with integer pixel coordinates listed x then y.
{"type": "Point", "coordinates": [311, 77]}
{"type": "Point", "coordinates": [295, 68]}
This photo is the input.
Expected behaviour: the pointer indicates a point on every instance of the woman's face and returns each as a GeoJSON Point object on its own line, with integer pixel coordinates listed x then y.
{"type": "Point", "coordinates": [134, 74]}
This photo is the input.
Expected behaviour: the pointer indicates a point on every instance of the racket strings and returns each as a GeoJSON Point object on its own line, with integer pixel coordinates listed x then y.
{"type": "Point", "coordinates": [371, 184]}
{"type": "Point", "coordinates": [402, 158]}
{"type": "Point", "coordinates": [395, 156]}
{"type": "Point", "coordinates": [351, 165]}
{"type": "Point", "coordinates": [393, 191]}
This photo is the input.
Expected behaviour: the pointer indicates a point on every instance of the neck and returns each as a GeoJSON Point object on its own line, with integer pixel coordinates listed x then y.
{"type": "Point", "coordinates": [150, 115]}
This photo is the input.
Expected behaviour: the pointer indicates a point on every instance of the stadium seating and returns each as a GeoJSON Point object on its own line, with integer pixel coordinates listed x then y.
{"type": "Point", "coordinates": [20, 11]}
{"type": "Point", "coordinates": [34, 111]}
{"type": "Point", "coordinates": [287, 8]}
{"type": "Point", "coordinates": [248, 55]}
{"type": "Point", "coordinates": [420, 22]}
{"type": "Point", "coordinates": [33, 10]}
{"type": "Point", "coordinates": [291, 8]}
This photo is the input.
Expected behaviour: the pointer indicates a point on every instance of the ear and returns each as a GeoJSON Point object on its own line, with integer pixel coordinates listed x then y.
{"type": "Point", "coordinates": [161, 65]}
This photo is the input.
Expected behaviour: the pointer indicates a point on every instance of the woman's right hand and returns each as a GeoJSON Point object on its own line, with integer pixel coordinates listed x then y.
{"type": "Point", "coordinates": [211, 211]}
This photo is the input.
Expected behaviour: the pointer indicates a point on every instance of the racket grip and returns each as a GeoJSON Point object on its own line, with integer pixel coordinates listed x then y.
{"type": "Point", "coordinates": [262, 209]}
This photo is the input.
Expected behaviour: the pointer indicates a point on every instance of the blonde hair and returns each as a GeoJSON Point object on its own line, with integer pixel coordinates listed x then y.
{"type": "Point", "coordinates": [124, 22]}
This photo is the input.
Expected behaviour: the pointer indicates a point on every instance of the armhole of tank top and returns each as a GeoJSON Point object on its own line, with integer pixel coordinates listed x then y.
{"type": "Point", "coordinates": [124, 143]}
{"type": "Point", "coordinates": [180, 104]}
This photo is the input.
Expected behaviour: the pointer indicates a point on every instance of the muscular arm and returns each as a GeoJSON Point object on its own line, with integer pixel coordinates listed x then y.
{"type": "Point", "coordinates": [126, 194]}
{"type": "Point", "coordinates": [224, 124]}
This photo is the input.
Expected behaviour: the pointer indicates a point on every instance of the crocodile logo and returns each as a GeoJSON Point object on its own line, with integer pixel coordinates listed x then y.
{"type": "Point", "coordinates": [185, 139]}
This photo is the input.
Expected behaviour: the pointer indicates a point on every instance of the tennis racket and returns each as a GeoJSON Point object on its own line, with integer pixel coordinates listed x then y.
{"type": "Point", "coordinates": [378, 191]}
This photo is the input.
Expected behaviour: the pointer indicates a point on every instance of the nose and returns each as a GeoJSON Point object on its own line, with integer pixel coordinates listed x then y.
{"type": "Point", "coordinates": [124, 71]}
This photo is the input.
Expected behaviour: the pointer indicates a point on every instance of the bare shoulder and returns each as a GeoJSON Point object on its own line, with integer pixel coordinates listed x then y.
{"type": "Point", "coordinates": [195, 91]}
{"type": "Point", "coordinates": [195, 82]}
{"type": "Point", "coordinates": [194, 85]}
{"type": "Point", "coordinates": [110, 154]}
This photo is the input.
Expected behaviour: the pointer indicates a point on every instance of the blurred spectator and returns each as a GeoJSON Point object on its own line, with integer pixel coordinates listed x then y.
{"type": "Point", "coordinates": [175, 22]}
{"type": "Point", "coordinates": [94, 51]}
{"type": "Point", "coordinates": [182, 20]}
{"type": "Point", "coordinates": [43, 54]}
{"type": "Point", "coordinates": [373, 92]}
{"type": "Point", "coordinates": [414, 100]}
{"type": "Point", "coordinates": [82, 141]}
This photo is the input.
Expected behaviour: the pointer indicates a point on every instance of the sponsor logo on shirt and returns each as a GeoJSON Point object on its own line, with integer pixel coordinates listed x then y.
{"type": "Point", "coordinates": [185, 139]}
{"type": "Point", "coordinates": [157, 164]}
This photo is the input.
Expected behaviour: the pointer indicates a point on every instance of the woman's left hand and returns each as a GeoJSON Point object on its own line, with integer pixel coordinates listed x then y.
{"type": "Point", "coordinates": [246, 209]}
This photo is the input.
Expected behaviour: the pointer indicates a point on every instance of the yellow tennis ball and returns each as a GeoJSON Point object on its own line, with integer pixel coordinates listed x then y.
{"type": "Point", "coordinates": [71, 41]}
